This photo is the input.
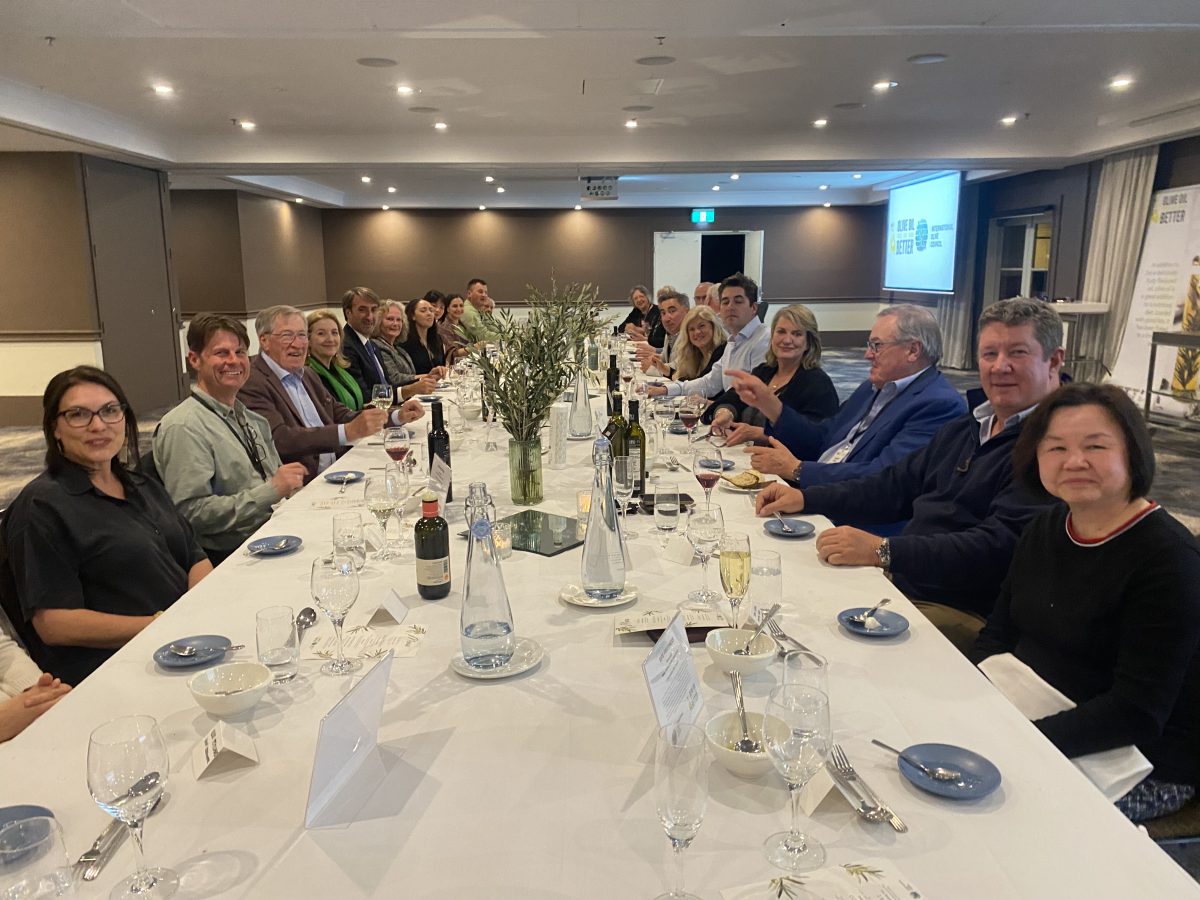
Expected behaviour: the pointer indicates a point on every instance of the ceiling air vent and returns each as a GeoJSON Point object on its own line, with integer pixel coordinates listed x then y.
{"type": "Point", "coordinates": [601, 187]}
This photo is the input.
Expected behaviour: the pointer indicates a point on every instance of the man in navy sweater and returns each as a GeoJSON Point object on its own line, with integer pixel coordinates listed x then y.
{"type": "Point", "coordinates": [965, 512]}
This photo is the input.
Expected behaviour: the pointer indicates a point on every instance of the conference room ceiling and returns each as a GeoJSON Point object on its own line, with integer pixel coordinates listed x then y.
{"type": "Point", "coordinates": [537, 93]}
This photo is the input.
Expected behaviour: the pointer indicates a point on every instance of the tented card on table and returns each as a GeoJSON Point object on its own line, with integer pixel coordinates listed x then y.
{"type": "Point", "coordinates": [439, 475]}
{"type": "Point", "coordinates": [657, 619]}
{"type": "Point", "coordinates": [680, 550]}
{"type": "Point", "coordinates": [856, 879]}
{"type": "Point", "coordinates": [221, 749]}
{"type": "Point", "coordinates": [391, 609]}
{"type": "Point", "coordinates": [346, 746]}
{"type": "Point", "coordinates": [671, 677]}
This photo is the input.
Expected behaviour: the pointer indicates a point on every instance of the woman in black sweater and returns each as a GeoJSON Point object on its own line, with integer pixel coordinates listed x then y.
{"type": "Point", "coordinates": [1102, 599]}
{"type": "Point", "coordinates": [423, 344]}
{"type": "Point", "coordinates": [792, 372]}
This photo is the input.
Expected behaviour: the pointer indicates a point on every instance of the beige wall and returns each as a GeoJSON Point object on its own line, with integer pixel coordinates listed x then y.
{"type": "Point", "coordinates": [283, 254]}
{"type": "Point", "coordinates": [206, 250]}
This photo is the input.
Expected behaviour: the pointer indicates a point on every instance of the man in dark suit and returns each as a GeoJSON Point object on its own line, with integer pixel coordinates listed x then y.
{"type": "Point", "coordinates": [360, 306]}
{"type": "Point", "coordinates": [307, 424]}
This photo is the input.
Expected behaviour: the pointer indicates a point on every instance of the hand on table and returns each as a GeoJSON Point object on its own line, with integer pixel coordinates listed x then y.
{"type": "Point", "coordinates": [288, 479]}
{"type": "Point", "coordinates": [656, 390]}
{"type": "Point", "coordinates": [773, 460]}
{"type": "Point", "coordinates": [846, 546]}
{"type": "Point", "coordinates": [779, 497]}
{"type": "Point", "coordinates": [635, 332]}
{"type": "Point", "coordinates": [722, 419]}
{"type": "Point", "coordinates": [741, 433]}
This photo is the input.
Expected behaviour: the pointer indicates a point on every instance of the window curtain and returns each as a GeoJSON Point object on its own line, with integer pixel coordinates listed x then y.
{"type": "Point", "coordinates": [1119, 223]}
{"type": "Point", "coordinates": [955, 311]}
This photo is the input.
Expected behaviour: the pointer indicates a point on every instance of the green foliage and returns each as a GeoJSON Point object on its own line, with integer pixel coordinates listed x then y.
{"type": "Point", "coordinates": [786, 886]}
{"type": "Point", "coordinates": [1187, 369]}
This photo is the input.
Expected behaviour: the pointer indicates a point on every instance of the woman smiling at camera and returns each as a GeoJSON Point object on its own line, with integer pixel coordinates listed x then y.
{"type": "Point", "coordinates": [704, 344]}
{"type": "Point", "coordinates": [96, 549]}
{"type": "Point", "coordinates": [423, 344]}
{"type": "Point", "coordinates": [325, 358]}
{"type": "Point", "coordinates": [1103, 596]}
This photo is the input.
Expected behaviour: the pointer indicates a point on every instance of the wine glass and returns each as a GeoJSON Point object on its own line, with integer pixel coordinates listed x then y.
{"type": "Point", "coordinates": [33, 860]}
{"type": "Point", "coordinates": [625, 472]}
{"type": "Point", "coordinates": [395, 445]}
{"type": "Point", "coordinates": [382, 396]}
{"type": "Point", "coordinates": [798, 751]}
{"type": "Point", "coordinates": [735, 570]}
{"type": "Point", "coordinates": [689, 415]}
{"type": "Point", "coordinates": [666, 510]}
{"type": "Point", "coordinates": [348, 538]}
{"type": "Point", "coordinates": [383, 494]}
{"type": "Point", "coordinates": [127, 769]}
{"type": "Point", "coordinates": [334, 585]}
{"type": "Point", "coordinates": [707, 465]}
{"type": "Point", "coordinates": [706, 524]}
{"type": "Point", "coordinates": [680, 793]}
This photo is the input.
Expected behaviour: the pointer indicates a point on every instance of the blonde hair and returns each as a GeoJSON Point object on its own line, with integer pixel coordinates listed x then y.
{"type": "Point", "coordinates": [800, 315]}
{"type": "Point", "coordinates": [384, 306]}
{"type": "Point", "coordinates": [689, 359]}
{"type": "Point", "coordinates": [316, 316]}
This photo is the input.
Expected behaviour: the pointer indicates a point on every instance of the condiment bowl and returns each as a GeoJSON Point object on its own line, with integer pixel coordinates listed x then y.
{"type": "Point", "coordinates": [721, 642]}
{"type": "Point", "coordinates": [724, 730]}
{"type": "Point", "coordinates": [230, 689]}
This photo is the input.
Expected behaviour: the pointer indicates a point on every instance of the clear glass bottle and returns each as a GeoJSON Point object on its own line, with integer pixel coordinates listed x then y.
{"type": "Point", "coordinates": [579, 425]}
{"type": "Point", "coordinates": [603, 569]}
{"type": "Point", "coordinates": [488, 638]}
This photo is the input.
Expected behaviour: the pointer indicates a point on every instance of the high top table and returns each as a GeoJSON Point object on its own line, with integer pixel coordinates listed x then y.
{"type": "Point", "coordinates": [541, 786]}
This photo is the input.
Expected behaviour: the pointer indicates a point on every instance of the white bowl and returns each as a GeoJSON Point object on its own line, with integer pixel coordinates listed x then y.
{"type": "Point", "coordinates": [721, 642]}
{"type": "Point", "coordinates": [249, 679]}
{"type": "Point", "coordinates": [724, 730]}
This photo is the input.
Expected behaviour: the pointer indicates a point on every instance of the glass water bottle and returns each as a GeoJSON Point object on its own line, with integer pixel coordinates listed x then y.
{"type": "Point", "coordinates": [603, 572]}
{"type": "Point", "coordinates": [488, 638]}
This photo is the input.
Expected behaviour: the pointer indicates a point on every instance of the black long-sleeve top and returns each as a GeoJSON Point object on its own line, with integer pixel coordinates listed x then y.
{"type": "Point", "coordinates": [810, 392]}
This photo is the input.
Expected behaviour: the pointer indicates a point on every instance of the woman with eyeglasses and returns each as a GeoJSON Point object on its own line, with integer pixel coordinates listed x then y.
{"type": "Point", "coordinates": [95, 549]}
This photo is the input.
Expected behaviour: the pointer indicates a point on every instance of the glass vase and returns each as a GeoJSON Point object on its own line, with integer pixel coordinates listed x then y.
{"type": "Point", "coordinates": [525, 471]}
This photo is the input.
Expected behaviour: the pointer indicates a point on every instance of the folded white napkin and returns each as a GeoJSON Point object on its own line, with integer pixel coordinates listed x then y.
{"type": "Point", "coordinates": [1114, 772]}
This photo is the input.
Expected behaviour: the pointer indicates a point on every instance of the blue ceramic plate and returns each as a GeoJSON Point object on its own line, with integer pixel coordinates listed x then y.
{"type": "Point", "coordinates": [676, 427]}
{"type": "Point", "coordinates": [890, 623]}
{"type": "Point", "coordinates": [726, 464]}
{"type": "Point", "coordinates": [800, 529]}
{"type": "Point", "coordinates": [209, 648]}
{"type": "Point", "coordinates": [346, 477]}
{"type": "Point", "coordinates": [275, 545]}
{"type": "Point", "coordinates": [979, 776]}
{"type": "Point", "coordinates": [10, 814]}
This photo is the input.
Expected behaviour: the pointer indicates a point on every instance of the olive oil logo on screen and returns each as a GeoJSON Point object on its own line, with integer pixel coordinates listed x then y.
{"type": "Point", "coordinates": [1171, 209]}
{"type": "Point", "coordinates": [914, 235]}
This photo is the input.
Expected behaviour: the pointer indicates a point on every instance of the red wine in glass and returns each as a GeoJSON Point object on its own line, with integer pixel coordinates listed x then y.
{"type": "Point", "coordinates": [397, 453]}
{"type": "Point", "coordinates": [708, 480]}
{"type": "Point", "coordinates": [689, 418]}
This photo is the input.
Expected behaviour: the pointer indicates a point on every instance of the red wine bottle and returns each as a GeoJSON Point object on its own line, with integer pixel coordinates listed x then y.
{"type": "Point", "coordinates": [431, 537]}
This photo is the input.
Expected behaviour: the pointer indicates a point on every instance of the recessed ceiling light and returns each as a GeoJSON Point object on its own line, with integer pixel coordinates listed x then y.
{"type": "Point", "coordinates": [482, 208]}
{"type": "Point", "coordinates": [927, 59]}
{"type": "Point", "coordinates": [440, 126]}
{"type": "Point", "coordinates": [499, 190]}
{"type": "Point", "coordinates": [299, 199]}
{"type": "Point", "coordinates": [881, 86]}
{"type": "Point", "coordinates": [391, 189]}
{"type": "Point", "coordinates": [655, 60]}
{"type": "Point", "coordinates": [376, 62]}
{"type": "Point", "coordinates": [631, 123]}
{"type": "Point", "coordinates": [856, 175]}
{"type": "Point", "coordinates": [404, 89]}
{"type": "Point", "coordinates": [850, 105]}
{"type": "Point", "coordinates": [1120, 82]}
{"type": "Point", "coordinates": [366, 179]}
{"type": "Point", "coordinates": [637, 107]}
{"type": "Point", "coordinates": [163, 90]}
{"type": "Point", "coordinates": [578, 207]}
{"type": "Point", "coordinates": [827, 205]}
{"type": "Point", "coordinates": [820, 123]}
{"type": "Point", "coordinates": [246, 125]}
{"type": "Point", "coordinates": [423, 109]}
{"type": "Point", "coordinates": [488, 178]}
{"type": "Point", "coordinates": [716, 187]}
{"type": "Point", "coordinates": [385, 207]}
{"type": "Point", "coordinates": [1009, 120]}
{"type": "Point", "coordinates": [734, 177]}
{"type": "Point", "coordinates": [824, 187]}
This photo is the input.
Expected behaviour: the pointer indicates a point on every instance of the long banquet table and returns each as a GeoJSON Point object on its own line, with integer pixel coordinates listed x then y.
{"type": "Point", "coordinates": [540, 786]}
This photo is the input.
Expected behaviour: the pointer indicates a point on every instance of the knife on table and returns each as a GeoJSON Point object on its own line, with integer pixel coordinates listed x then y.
{"type": "Point", "coordinates": [864, 807]}
{"type": "Point", "coordinates": [894, 820]}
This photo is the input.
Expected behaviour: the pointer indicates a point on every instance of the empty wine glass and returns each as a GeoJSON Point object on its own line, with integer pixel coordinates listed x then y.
{"type": "Point", "coordinates": [798, 751]}
{"type": "Point", "coordinates": [348, 539]}
{"type": "Point", "coordinates": [706, 524]}
{"type": "Point", "coordinates": [666, 510]}
{"type": "Point", "coordinates": [625, 473]}
{"type": "Point", "coordinates": [33, 860]}
{"type": "Point", "coordinates": [707, 465]}
{"type": "Point", "coordinates": [734, 548]}
{"type": "Point", "coordinates": [383, 494]}
{"type": "Point", "coordinates": [334, 585]}
{"type": "Point", "coordinates": [680, 793]}
{"type": "Point", "coordinates": [127, 769]}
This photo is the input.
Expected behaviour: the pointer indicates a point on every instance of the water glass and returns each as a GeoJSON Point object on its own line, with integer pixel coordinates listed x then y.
{"type": "Point", "coordinates": [502, 538]}
{"type": "Point", "coordinates": [33, 860]}
{"type": "Point", "coordinates": [766, 579]}
{"type": "Point", "coordinates": [705, 526]}
{"type": "Point", "coordinates": [625, 474]}
{"type": "Point", "coordinates": [798, 751]}
{"type": "Point", "coordinates": [805, 669]}
{"type": "Point", "coordinates": [680, 793]}
{"type": "Point", "coordinates": [278, 642]}
{"type": "Point", "coordinates": [666, 510]}
{"type": "Point", "coordinates": [348, 538]}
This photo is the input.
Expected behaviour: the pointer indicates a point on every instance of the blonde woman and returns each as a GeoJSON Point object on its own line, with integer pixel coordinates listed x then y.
{"type": "Point", "coordinates": [792, 372]}
{"type": "Point", "coordinates": [326, 359]}
{"type": "Point", "coordinates": [701, 344]}
{"type": "Point", "coordinates": [391, 328]}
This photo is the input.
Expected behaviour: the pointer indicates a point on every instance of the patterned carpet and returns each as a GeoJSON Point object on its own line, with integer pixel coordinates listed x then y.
{"type": "Point", "coordinates": [1176, 486]}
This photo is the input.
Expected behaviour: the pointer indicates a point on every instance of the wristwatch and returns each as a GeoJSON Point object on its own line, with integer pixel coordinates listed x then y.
{"type": "Point", "coordinates": [796, 471]}
{"type": "Point", "coordinates": [884, 554]}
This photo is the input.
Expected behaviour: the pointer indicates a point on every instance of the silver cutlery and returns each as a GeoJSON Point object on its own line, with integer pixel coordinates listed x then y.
{"type": "Point", "coordinates": [280, 544]}
{"type": "Point", "coordinates": [783, 523]}
{"type": "Point", "coordinates": [937, 773]}
{"type": "Point", "coordinates": [745, 651]}
{"type": "Point", "coordinates": [746, 744]}
{"type": "Point", "coordinates": [306, 618]}
{"type": "Point", "coordinates": [186, 650]}
{"type": "Point", "coordinates": [778, 633]}
{"type": "Point", "coordinates": [345, 479]}
{"type": "Point", "coordinates": [673, 463]}
{"type": "Point", "coordinates": [841, 765]}
{"type": "Point", "coordinates": [96, 857]}
{"type": "Point", "coordinates": [862, 617]}
{"type": "Point", "coordinates": [854, 796]}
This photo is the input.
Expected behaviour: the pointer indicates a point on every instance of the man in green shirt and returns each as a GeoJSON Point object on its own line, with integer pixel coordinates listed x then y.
{"type": "Point", "coordinates": [476, 322]}
{"type": "Point", "coordinates": [216, 457]}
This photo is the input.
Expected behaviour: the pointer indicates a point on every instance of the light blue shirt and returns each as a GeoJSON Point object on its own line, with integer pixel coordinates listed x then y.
{"type": "Point", "coordinates": [839, 451]}
{"type": "Point", "coordinates": [293, 383]}
{"type": "Point", "coordinates": [745, 350]}
{"type": "Point", "coordinates": [985, 415]}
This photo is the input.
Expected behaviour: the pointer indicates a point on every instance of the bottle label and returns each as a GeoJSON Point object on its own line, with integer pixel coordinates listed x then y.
{"type": "Point", "coordinates": [481, 528]}
{"type": "Point", "coordinates": [433, 572]}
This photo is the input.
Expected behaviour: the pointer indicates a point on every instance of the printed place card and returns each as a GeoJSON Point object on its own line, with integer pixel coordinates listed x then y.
{"type": "Point", "coordinates": [855, 879]}
{"type": "Point", "coordinates": [391, 610]}
{"type": "Point", "coordinates": [439, 475]}
{"type": "Point", "coordinates": [364, 642]}
{"type": "Point", "coordinates": [671, 677]}
{"type": "Point", "coordinates": [223, 748]}
{"type": "Point", "coordinates": [656, 619]}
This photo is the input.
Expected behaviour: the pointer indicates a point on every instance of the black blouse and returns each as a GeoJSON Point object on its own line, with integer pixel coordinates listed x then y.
{"type": "Point", "coordinates": [425, 359]}
{"type": "Point", "coordinates": [810, 393]}
{"type": "Point", "coordinates": [650, 321]}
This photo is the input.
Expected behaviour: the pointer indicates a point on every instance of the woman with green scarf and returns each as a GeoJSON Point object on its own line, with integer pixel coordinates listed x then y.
{"type": "Point", "coordinates": [325, 358]}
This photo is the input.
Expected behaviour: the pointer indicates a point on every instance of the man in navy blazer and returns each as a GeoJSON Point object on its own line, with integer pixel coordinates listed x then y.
{"type": "Point", "coordinates": [904, 400]}
{"type": "Point", "coordinates": [360, 306]}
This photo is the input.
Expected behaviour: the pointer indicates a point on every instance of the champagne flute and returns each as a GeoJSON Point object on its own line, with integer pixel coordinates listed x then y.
{"type": "Point", "coordinates": [680, 793]}
{"type": "Point", "coordinates": [334, 586]}
{"type": "Point", "coordinates": [707, 465]}
{"type": "Point", "coordinates": [625, 472]}
{"type": "Point", "coordinates": [383, 494]}
{"type": "Point", "coordinates": [127, 769]}
{"type": "Point", "coordinates": [706, 524]}
{"type": "Point", "coordinates": [666, 510]}
{"type": "Point", "coordinates": [798, 751]}
{"type": "Point", "coordinates": [735, 570]}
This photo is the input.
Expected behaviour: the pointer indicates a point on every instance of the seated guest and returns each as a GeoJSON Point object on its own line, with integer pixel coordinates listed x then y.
{"type": "Point", "coordinates": [672, 307]}
{"type": "Point", "coordinates": [448, 331]}
{"type": "Point", "coordinates": [437, 300]}
{"type": "Point", "coordinates": [388, 339]}
{"type": "Point", "coordinates": [700, 294]}
{"type": "Point", "coordinates": [791, 375]}
{"type": "Point", "coordinates": [360, 306]}
{"type": "Point", "coordinates": [97, 550]}
{"type": "Point", "coordinates": [714, 301]}
{"type": "Point", "coordinates": [215, 457]}
{"type": "Point", "coordinates": [307, 424]}
{"type": "Point", "coordinates": [904, 400]}
{"type": "Point", "coordinates": [704, 344]}
{"type": "Point", "coordinates": [422, 343]}
{"type": "Point", "coordinates": [965, 513]}
{"type": "Point", "coordinates": [644, 316]}
{"type": "Point", "coordinates": [25, 690]}
{"type": "Point", "coordinates": [476, 323]}
{"type": "Point", "coordinates": [326, 359]}
{"type": "Point", "coordinates": [1102, 599]}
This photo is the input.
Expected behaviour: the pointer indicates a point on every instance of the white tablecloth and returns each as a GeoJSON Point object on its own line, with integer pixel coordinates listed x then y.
{"type": "Point", "coordinates": [539, 786]}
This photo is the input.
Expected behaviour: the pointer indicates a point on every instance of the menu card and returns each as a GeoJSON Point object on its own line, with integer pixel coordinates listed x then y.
{"type": "Point", "coordinates": [657, 619]}
{"type": "Point", "coordinates": [365, 642]}
{"type": "Point", "coordinates": [671, 677]}
{"type": "Point", "coordinates": [860, 879]}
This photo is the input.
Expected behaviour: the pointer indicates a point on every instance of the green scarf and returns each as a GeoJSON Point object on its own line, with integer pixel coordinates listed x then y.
{"type": "Point", "coordinates": [339, 382]}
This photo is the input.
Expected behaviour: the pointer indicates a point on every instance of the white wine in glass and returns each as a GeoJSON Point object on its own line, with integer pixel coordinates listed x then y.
{"type": "Point", "coordinates": [382, 396]}
{"type": "Point", "coordinates": [735, 570]}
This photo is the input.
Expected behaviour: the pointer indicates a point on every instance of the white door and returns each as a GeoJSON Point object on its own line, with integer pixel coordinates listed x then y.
{"type": "Point", "coordinates": [676, 260]}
